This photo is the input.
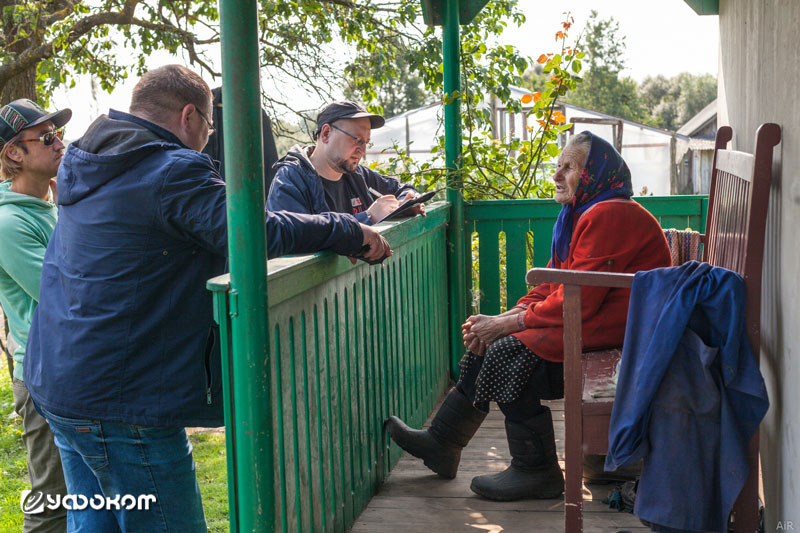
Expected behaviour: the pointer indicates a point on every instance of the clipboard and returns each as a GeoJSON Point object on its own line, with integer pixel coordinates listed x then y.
{"type": "Point", "coordinates": [408, 204]}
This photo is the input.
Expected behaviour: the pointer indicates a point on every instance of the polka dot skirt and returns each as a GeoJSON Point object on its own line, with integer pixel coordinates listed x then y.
{"type": "Point", "coordinates": [506, 369]}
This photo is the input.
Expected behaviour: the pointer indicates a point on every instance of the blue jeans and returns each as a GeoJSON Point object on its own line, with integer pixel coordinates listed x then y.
{"type": "Point", "coordinates": [107, 461]}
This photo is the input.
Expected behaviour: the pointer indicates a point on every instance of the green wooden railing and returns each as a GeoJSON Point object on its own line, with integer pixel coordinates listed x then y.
{"type": "Point", "coordinates": [352, 345]}
{"type": "Point", "coordinates": [523, 221]}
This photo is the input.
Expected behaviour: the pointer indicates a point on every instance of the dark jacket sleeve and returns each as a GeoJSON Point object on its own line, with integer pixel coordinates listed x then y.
{"type": "Point", "coordinates": [193, 207]}
{"type": "Point", "coordinates": [294, 233]}
{"type": "Point", "coordinates": [363, 217]}
{"type": "Point", "coordinates": [385, 185]}
{"type": "Point", "coordinates": [288, 192]}
{"type": "Point", "coordinates": [193, 202]}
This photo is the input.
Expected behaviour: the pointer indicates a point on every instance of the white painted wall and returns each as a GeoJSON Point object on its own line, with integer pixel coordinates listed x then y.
{"type": "Point", "coordinates": [759, 80]}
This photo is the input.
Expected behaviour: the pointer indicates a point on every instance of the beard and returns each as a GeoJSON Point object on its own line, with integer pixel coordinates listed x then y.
{"type": "Point", "coordinates": [345, 165]}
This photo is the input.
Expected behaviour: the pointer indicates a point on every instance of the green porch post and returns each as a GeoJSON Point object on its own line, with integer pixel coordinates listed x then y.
{"type": "Point", "coordinates": [249, 428]}
{"type": "Point", "coordinates": [456, 252]}
{"type": "Point", "coordinates": [449, 14]}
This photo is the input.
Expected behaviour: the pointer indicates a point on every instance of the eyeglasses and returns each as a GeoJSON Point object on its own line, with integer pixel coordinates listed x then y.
{"type": "Point", "coordinates": [211, 129]}
{"type": "Point", "coordinates": [361, 143]}
{"type": "Point", "coordinates": [47, 138]}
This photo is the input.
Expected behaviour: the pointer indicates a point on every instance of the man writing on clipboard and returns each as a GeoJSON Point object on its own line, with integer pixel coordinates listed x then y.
{"type": "Point", "coordinates": [328, 177]}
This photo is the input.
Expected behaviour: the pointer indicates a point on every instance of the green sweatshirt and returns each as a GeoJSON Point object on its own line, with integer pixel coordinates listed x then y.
{"type": "Point", "coordinates": [26, 224]}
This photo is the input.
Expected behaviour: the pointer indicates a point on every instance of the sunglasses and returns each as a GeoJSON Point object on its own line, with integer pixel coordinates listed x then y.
{"type": "Point", "coordinates": [47, 138]}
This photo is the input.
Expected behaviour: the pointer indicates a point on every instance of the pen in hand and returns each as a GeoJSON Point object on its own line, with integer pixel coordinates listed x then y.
{"type": "Point", "coordinates": [375, 193]}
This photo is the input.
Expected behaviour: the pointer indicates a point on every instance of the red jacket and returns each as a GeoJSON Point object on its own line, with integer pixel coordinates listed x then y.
{"type": "Point", "coordinates": [616, 235]}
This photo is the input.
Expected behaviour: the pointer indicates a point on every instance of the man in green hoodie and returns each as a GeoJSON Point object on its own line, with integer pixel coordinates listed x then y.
{"type": "Point", "coordinates": [30, 152]}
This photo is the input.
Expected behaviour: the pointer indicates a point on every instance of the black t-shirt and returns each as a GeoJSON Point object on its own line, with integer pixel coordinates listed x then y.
{"type": "Point", "coordinates": [341, 197]}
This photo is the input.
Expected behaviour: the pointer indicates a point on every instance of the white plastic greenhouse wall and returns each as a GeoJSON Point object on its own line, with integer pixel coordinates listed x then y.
{"type": "Point", "coordinates": [647, 150]}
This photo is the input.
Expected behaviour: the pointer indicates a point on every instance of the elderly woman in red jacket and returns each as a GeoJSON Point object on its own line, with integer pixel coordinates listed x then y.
{"type": "Point", "coordinates": [516, 358]}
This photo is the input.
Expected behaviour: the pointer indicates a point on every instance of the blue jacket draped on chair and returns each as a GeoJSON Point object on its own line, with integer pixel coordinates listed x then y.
{"type": "Point", "coordinates": [690, 395]}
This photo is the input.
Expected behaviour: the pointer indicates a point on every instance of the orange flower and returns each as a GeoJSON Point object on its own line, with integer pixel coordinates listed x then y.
{"type": "Point", "coordinates": [559, 35]}
{"type": "Point", "coordinates": [566, 25]}
{"type": "Point", "coordinates": [558, 117]}
{"type": "Point", "coordinates": [536, 96]}
{"type": "Point", "coordinates": [542, 123]}
{"type": "Point", "coordinates": [542, 59]}
{"type": "Point", "coordinates": [526, 98]}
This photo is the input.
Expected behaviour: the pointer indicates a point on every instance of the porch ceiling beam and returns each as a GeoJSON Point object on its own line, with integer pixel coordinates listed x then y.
{"type": "Point", "coordinates": [704, 7]}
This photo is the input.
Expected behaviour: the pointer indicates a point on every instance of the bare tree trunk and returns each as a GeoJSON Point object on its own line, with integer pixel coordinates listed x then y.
{"type": "Point", "coordinates": [21, 86]}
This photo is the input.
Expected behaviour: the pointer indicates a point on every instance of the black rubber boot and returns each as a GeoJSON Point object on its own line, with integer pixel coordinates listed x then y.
{"type": "Point", "coordinates": [534, 470]}
{"type": "Point", "coordinates": [440, 445]}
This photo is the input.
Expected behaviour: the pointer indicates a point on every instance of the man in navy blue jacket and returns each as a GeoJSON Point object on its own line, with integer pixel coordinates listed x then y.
{"type": "Point", "coordinates": [123, 352]}
{"type": "Point", "coordinates": [328, 177]}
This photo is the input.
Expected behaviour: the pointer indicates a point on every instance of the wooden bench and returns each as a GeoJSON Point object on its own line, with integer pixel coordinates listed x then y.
{"type": "Point", "coordinates": [736, 222]}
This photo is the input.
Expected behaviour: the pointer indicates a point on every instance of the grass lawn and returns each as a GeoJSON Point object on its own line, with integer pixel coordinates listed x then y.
{"type": "Point", "coordinates": [14, 477]}
{"type": "Point", "coordinates": [209, 454]}
{"type": "Point", "coordinates": [212, 476]}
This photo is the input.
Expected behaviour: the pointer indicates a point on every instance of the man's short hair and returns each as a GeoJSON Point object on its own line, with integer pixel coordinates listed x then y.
{"type": "Point", "coordinates": [169, 88]}
{"type": "Point", "coordinates": [9, 169]}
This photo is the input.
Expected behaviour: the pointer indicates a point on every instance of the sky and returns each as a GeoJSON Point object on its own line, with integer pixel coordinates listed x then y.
{"type": "Point", "coordinates": [662, 37]}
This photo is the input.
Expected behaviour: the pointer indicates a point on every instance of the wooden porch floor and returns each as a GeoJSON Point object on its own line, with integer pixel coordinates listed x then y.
{"type": "Point", "coordinates": [413, 499]}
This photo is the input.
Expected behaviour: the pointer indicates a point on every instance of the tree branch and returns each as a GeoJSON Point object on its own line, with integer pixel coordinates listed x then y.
{"type": "Point", "coordinates": [61, 14]}
{"type": "Point", "coordinates": [33, 55]}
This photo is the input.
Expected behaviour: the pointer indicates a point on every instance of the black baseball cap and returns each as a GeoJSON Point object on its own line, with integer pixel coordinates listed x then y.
{"type": "Point", "coordinates": [346, 109]}
{"type": "Point", "coordinates": [23, 114]}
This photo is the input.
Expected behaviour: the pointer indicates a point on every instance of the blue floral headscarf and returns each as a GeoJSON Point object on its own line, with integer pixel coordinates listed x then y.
{"type": "Point", "coordinates": [605, 175]}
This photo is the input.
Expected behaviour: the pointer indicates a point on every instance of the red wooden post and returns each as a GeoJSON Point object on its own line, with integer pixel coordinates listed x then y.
{"type": "Point", "coordinates": [573, 418]}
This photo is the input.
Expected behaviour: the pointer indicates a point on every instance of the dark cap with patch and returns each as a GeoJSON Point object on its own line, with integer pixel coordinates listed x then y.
{"type": "Point", "coordinates": [23, 114]}
{"type": "Point", "coordinates": [346, 109]}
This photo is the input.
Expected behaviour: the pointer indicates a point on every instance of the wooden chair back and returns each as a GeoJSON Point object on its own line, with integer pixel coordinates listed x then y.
{"type": "Point", "coordinates": [737, 214]}
{"type": "Point", "coordinates": [736, 228]}
{"type": "Point", "coordinates": [735, 233]}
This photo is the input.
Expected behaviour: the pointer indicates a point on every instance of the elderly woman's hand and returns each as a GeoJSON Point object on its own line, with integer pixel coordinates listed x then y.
{"type": "Point", "coordinates": [474, 345]}
{"type": "Point", "coordinates": [480, 349]}
{"type": "Point", "coordinates": [487, 329]}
